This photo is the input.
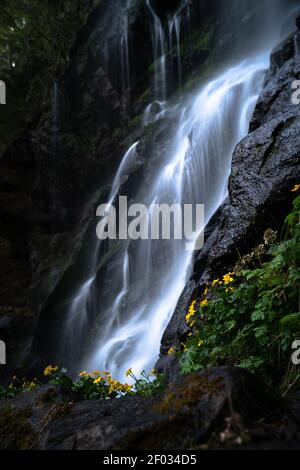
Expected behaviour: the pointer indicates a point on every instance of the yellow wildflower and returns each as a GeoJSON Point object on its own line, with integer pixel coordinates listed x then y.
{"type": "Point", "coordinates": [201, 342]}
{"type": "Point", "coordinates": [215, 282]}
{"type": "Point", "coordinates": [205, 292]}
{"type": "Point", "coordinates": [128, 372]}
{"type": "Point", "coordinates": [171, 351]}
{"type": "Point", "coordinates": [229, 289]}
{"type": "Point", "coordinates": [204, 303]}
{"type": "Point", "coordinates": [96, 373]}
{"type": "Point", "coordinates": [191, 311]}
{"type": "Point", "coordinates": [98, 380]}
{"type": "Point", "coordinates": [227, 278]}
{"type": "Point", "coordinates": [50, 370]}
{"type": "Point", "coordinates": [32, 385]}
{"type": "Point", "coordinates": [184, 347]}
{"type": "Point", "coordinates": [295, 188]}
{"type": "Point", "coordinates": [83, 373]}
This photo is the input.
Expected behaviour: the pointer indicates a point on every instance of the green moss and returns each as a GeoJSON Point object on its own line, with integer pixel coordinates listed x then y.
{"type": "Point", "coordinates": [135, 122]}
{"type": "Point", "coordinates": [16, 431]}
{"type": "Point", "coordinates": [188, 395]}
{"type": "Point", "coordinates": [204, 40]}
{"type": "Point", "coordinates": [145, 96]}
{"type": "Point", "coordinates": [151, 68]}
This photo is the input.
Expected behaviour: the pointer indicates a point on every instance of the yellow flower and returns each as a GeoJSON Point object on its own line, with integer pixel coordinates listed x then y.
{"type": "Point", "coordinates": [191, 311]}
{"type": "Point", "coordinates": [98, 380]}
{"type": "Point", "coordinates": [205, 292]}
{"type": "Point", "coordinates": [50, 370]}
{"type": "Point", "coordinates": [83, 373]}
{"type": "Point", "coordinates": [153, 372]}
{"type": "Point", "coordinates": [171, 351]}
{"type": "Point", "coordinates": [227, 278]}
{"type": "Point", "coordinates": [229, 289]}
{"type": "Point", "coordinates": [201, 342]}
{"type": "Point", "coordinates": [215, 282]}
{"type": "Point", "coordinates": [184, 347]}
{"type": "Point", "coordinates": [128, 372]}
{"type": "Point", "coordinates": [204, 303]}
{"type": "Point", "coordinates": [32, 385]}
{"type": "Point", "coordinates": [295, 188]}
{"type": "Point", "coordinates": [96, 373]}
{"type": "Point", "coordinates": [127, 387]}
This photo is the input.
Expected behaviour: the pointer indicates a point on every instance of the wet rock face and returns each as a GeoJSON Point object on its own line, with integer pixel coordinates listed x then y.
{"type": "Point", "coordinates": [265, 167]}
{"type": "Point", "coordinates": [165, 8]}
{"type": "Point", "coordinates": [216, 407]}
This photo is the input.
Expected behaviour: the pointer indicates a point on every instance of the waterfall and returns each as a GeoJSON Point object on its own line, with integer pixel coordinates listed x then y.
{"type": "Point", "coordinates": [84, 306]}
{"type": "Point", "coordinates": [133, 286]}
{"type": "Point", "coordinates": [54, 144]}
{"type": "Point", "coordinates": [124, 54]}
{"type": "Point", "coordinates": [159, 54]}
{"type": "Point", "coordinates": [175, 25]}
{"type": "Point", "coordinates": [297, 43]}
{"type": "Point", "coordinates": [115, 57]}
{"type": "Point", "coordinates": [196, 170]}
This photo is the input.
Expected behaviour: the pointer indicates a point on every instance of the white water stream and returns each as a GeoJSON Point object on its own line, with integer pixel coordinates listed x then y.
{"type": "Point", "coordinates": [149, 275]}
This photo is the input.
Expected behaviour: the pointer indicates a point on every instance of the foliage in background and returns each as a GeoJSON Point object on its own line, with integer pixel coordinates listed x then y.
{"type": "Point", "coordinates": [250, 317]}
{"type": "Point", "coordinates": [36, 37]}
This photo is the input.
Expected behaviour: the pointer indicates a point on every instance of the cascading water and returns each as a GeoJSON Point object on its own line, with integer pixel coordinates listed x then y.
{"type": "Point", "coordinates": [54, 143]}
{"type": "Point", "coordinates": [159, 53]}
{"type": "Point", "coordinates": [175, 25]}
{"type": "Point", "coordinates": [145, 278]}
{"type": "Point", "coordinates": [196, 170]}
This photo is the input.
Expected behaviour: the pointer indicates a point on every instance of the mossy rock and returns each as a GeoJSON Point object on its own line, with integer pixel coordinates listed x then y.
{"type": "Point", "coordinates": [16, 430]}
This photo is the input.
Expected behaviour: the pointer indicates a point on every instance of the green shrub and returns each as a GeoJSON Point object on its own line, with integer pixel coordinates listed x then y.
{"type": "Point", "coordinates": [250, 317]}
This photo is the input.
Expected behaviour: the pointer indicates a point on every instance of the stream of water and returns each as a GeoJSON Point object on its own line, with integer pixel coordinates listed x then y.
{"type": "Point", "coordinates": [149, 276]}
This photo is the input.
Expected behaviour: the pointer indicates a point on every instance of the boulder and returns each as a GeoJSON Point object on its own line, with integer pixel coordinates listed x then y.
{"type": "Point", "coordinates": [214, 408]}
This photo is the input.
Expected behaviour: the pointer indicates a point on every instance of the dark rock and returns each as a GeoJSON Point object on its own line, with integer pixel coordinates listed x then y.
{"type": "Point", "coordinates": [215, 407]}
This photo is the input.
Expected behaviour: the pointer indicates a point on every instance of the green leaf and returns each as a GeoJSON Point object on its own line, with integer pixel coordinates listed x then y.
{"type": "Point", "coordinates": [291, 318]}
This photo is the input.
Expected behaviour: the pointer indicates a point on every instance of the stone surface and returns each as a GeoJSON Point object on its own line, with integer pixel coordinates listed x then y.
{"type": "Point", "coordinates": [215, 408]}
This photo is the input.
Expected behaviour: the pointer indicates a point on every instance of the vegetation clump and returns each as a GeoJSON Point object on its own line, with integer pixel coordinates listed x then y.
{"type": "Point", "coordinates": [88, 385]}
{"type": "Point", "coordinates": [250, 317]}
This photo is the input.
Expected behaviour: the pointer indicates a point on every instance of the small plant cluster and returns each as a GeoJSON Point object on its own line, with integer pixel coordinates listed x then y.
{"type": "Point", "coordinates": [147, 386]}
{"type": "Point", "coordinates": [18, 386]}
{"type": "Point", "coordinates": [250, 316]}
{"type": "Point", "coordinates": [89, 386]}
